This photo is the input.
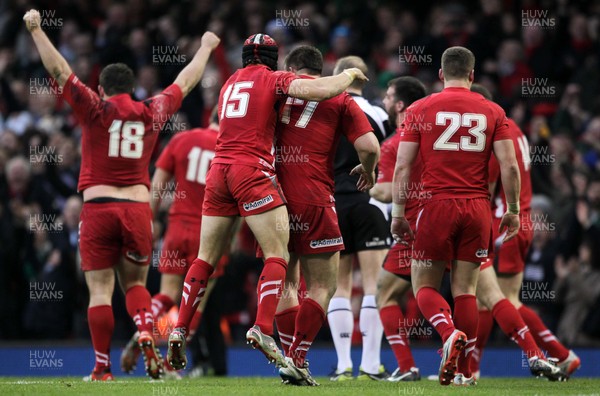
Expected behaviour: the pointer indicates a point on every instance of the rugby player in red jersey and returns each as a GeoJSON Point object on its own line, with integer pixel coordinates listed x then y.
{"type": "Point", "coordinates": [394, 280]}
{"type": "Point", "coordinates": [308, 134]}
{"type": "Point", "coordinates": [500, 295]}
{"type": "Point", "coordinates": [242, 182]}
{"type": "Point", "coordinates": [118, 138]}
{"type": "Point", "coordinates": [184, 162]}
{"type": "Point", "coordinates": [455, 132]}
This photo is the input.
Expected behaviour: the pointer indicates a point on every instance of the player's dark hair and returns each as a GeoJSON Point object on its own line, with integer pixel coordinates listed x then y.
{"type": "Point", "coordinates": [305, 57]}
{"type": "Point", "coordinates": [117, 78]}
{"type": "Point", "coordinates": [457, 63]}
{"type": "Point", "coordinates": [407, 89]}
{"type": "Point", "coordinates": [481, 90]}
{"type": "Point", "coordinates": [348, 62]}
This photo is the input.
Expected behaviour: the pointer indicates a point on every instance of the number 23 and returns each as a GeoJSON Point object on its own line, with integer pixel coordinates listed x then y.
{"type": "Point", "coordinates": [458, 120]}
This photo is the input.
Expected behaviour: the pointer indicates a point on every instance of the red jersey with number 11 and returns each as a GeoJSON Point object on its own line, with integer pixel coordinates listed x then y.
{"type": "Point", "coordinates": [455, 129]}
{"type": "Point", "coordinates": [248, 105]}
{"type": "Point", "coordinates": [119, 133]}
{"type": "Point", "coordinates": [187, 157]}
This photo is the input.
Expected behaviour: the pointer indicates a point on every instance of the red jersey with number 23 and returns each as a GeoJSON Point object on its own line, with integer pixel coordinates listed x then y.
{"type": "Point", "coordinates": [119, 133]}
{"type": "Point", "coordinates": [248, 105]}
{"type": "Point", "coordinates": [307, 138]}
{"type": "Point", "coordinates": [455, 129]}
{"type": "Point", "coordinates": [187, 157]}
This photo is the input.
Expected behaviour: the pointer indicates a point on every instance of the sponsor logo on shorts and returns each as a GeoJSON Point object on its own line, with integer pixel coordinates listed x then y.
{"type": "Point", "coordinates": [326, 242]}
{"type": "Point", "coordinates": [135, 256]}
{"type": "Point", "coordinates": [257, 204]}
{"type": "Point", "coordinates": [481, 253]}
{"type": "Point", "coordinates": [377, 242]}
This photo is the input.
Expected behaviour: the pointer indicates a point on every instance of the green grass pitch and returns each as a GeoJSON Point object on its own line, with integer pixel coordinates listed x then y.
{"type": "Point", "coordinates": [64, 386]}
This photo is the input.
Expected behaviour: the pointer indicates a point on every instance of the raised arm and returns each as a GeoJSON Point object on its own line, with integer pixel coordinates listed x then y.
{"type": "Point", "coordinates": [159, 184]}
{"type": "Point", "coordinates": [53, 61]}
{"type": "Point", "coordinates": [504, 150]}
{"type": "Point", "coordinates": [323, 88]}
{"type": "Point", "coordinates": [191, 74]}
{"type": "Point", "coordinates": [407, 152]}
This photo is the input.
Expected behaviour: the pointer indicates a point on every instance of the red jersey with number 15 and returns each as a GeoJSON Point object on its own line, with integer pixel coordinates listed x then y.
{"type": "Point", "coordinates": [187, 157]}
{"type": "Point", "coordinates": [308, 134]}
{"type": "Point", "coordinates": [524, 160]}
{"type": "Point", "coordinates": [455, 129]}
{"type": "Point", "coordinates": [248, 105]}
{"type": "Point", "coordinates": [119, 133]}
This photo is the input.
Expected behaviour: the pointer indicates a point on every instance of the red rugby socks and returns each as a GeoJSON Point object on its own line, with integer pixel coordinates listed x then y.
{"type": "Point", "coordinates": [309, 320]}
{"type": "Point", "coordinates": [139, 307]}
{"type": "Point", "coordinates": [102, 323]}
{"type": "Point", "coordinates": [543, 337]}
{"type": "Point", "coordinates": [466, 319]}
{"type": "Point", "coordinates": [436, 310]}
{"type": "Point", "coordinates": [286, 324]}
{"type": "Point", "coordinates": [484, 329]}
{"type": "Point", "coordinates": [269, 288]}
{"type": "Point", "coordinates": [161, 304]}
{"type": "Point", "coordinates": [394, 327]}
{"type": "Point", "coordinates": [194, 288]}
{"type": "Point", "coordinates": [513, 326]}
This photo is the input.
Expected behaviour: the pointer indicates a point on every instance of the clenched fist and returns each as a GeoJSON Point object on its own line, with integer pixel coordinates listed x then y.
{"type": "Point", "coordinates": [32, 20]}
{"type": "Point", "coordinates": [210, 40]}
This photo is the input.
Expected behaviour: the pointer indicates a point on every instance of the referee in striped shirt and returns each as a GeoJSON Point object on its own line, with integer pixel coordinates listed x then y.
{"type": "Point", "coordinates": [365, 229]}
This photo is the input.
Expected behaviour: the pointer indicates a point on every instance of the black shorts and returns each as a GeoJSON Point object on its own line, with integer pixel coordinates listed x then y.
{"type": "Point", "coordinates": [363, 225]}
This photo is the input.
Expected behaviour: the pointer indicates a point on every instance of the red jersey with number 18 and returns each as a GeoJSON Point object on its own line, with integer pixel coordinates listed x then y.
{"type": "Point", "coordinates": [187, 157]}
{"type": "Point", "coordinates": [248, 105]}
{"type": "Point", "coordinates": [455, 129]}
{"type": "Point", "coordinates": [119, 133]}
{"type": "Point", "coordinates": [308, 134]}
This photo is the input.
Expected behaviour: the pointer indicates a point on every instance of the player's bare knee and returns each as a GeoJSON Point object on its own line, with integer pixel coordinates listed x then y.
{"type": "Point", "coordinates": [100, 296]}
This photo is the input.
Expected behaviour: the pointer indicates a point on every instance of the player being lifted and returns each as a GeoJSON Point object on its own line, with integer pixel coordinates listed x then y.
{"type": "Point", "coordinates": [455, 132]}
{"type": "Point", "coordinates": [394, 279]}
{"type": "Point", "coordinates": [185, 160]}
{"type": "Point", "coordinates": [118, 137]}
{"type": "Point", "coordinates": [312, 130]}
{"type": "Point", "coordinates": [242, 182]}
{"type": "Point", "coordinates": [502, 302]}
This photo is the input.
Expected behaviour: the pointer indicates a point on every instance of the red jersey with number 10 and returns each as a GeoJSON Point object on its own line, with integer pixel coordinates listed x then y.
{"type": "Point", "coordinates": [308, 134]}
{"type": "Point", "coordinates": [119, 133]}
{"type": "Point", "coordinates": [455, 129]}
{"type": "Point", "coordinates": [248, 105]}
{"type": "Point", "coordinates": [524, 160]}
{"type": "Point", "coordinates": [187, 157]}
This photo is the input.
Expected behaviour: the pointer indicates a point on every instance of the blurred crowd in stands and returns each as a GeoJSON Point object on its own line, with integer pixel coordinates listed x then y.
{"type": "Point", "coordinates": [540, 59]}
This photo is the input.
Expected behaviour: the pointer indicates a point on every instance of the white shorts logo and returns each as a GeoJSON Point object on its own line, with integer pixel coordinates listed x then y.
{"type": "Point", "coordinates": [481, 253]}
{"type": "Point", "coordinates": [326, 242]}
{"type": "Point", "coordinates": [257, 204]}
